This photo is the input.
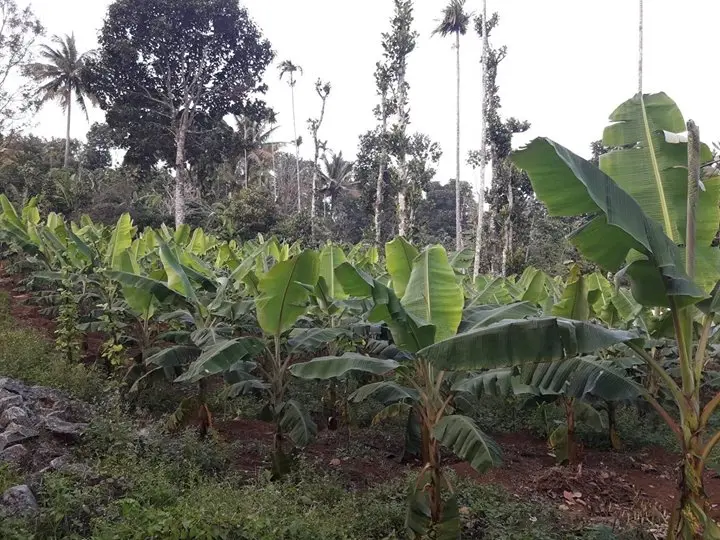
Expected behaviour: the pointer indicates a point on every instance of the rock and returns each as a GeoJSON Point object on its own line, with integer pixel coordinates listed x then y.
{"type": "Point", "coordinates": [18, 501]}
{"type": "Point", "coordinates": [58, 462]}
{"type": "Point", "coordinates": [11, 385]}
{"type": "Point", "coordinates": [14, 414]}
{"type": "Point", "coordinates": [10, 400]}
{"type": "Point", "coordinates": [16, 433]}
{"type": "Point", "coordinates": [14, 454]}
{"type": "Point", "coordinates": [61, 428]}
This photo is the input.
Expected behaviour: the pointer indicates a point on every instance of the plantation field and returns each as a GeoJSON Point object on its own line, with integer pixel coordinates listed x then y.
{"type": "Point", "coordinates": [612, 494]}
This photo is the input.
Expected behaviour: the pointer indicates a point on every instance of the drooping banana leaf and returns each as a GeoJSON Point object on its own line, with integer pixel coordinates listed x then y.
{"type": "Point", "coordinates": [569, 186]}
{"type": "Point", "coordinates": [283, 295]}
{"type": "Point", "coordinates": [296, 422]}
{"type": "Point", "coordinates": [386, 392]}
{"type": "Point", "coordinates": [495, 382]}
{"type": "Point", "coordinates": [462, 435]}
{"type": "Point", "coordinates": [513, 343]}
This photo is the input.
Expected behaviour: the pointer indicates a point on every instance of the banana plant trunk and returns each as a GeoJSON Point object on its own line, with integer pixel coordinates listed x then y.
{"type": "Point", "coordinates": [572, 449]}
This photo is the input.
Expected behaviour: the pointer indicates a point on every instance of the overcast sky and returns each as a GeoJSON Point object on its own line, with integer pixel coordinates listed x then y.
{"type": "Point", "coordinates": [569, 63]}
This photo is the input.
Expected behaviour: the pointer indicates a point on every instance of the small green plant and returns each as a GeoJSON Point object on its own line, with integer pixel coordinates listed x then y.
{"type": "Point", "coordinates": [67, 336]}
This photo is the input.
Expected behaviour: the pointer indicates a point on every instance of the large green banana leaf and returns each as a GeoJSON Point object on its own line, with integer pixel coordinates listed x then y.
{"type": "Point", "coordinates": [432, 296]}
{"type": "Point", "coordinates": [178, 280]}
{"type": "Point", "coordinates": [513, 343]}
{"type": "Point", "coordinates": [120, 240]}
{"type": "Point", "coordinates": [570, 186]}
{"type": "Point", "coordinates": [574, 302]}
{"type": "Point", "coordinates": [221, 358]}
{"type": "Point", "coordinates": [481, 316]}
{"type": "Point", "coordinates": [330, 367]}
{"type": "Point", "coordinates": [399, 257]}
{"type": "Point", "coordinates": [283, 293]}
{"type": "Point", "coordinates": [654, 171]}
{"type": "Point", "coordinates": [331, 257]}
{"type": "Point", "coordinates": [309, 340]}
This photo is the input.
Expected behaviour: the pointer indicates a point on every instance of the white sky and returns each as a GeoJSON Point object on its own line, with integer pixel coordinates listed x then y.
{"type": "Point", "coordinates": [569, 63]}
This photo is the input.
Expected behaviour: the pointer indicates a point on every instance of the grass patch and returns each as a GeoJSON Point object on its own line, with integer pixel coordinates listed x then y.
{"type": "Point", "coordinates": [28, 355]}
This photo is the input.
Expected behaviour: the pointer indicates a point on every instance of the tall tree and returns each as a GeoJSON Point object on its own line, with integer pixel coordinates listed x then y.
{"type": "Point", "coordinates": [480, 23]}
{"type": "Point", "coordinates": [397, 45]}
{"type": "Point", "coordinates": [286, 67]}
{"type": "Point", "coordinates": [455, 22]}
{"type": "Point", "coordinates": [168, 69]}
{"type": "Point", "coordinates": [59, 77]}
{"type": "Point", "coordinates": [19, 29]}
{"type": "Point", "coordinates": [382, 84]}
{"type": "Point", "coordinates": [323, 91]}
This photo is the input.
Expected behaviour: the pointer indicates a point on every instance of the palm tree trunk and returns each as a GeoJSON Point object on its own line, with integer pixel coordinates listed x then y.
{"type": "Point", "coordinates": [458, 211]}
{"type": "Point", "coordinates": [66, 161]}
{"type": "Point", "coordinates": [483, 145]}
{"type": "Point", "coordinates": [381, 171]}
{"type": "Point", "coordinates": [297, 145]}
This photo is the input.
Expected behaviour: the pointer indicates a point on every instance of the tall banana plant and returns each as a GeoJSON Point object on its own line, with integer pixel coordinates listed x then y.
{"type": "Point", "coordinates": [422, 304]}
{"type": "Point", "coordinates": [654, 222]}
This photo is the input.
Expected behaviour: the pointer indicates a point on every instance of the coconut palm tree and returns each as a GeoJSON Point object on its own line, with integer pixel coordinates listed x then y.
{"type": "Point", "coordinates": [255, 146]}
{"type": "Point", "coordinates": [337, 176]}
{"type": "Point", "coordinates": [60, 77]}
{"type": "Point", "coordinates": [287, 67]}
{"type": "Point", "coordinates": [455, 21]}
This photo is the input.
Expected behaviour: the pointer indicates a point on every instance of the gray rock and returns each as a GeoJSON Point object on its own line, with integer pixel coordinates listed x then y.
{"type": "Point", "coordinates": [61, 428]}
{"type": "Point", "coordinates": [11, 385]}
{"type": "Point", "coordinates": [15, 433]}
{"type": "Point", "coordinates": [11, 400]}
{"type": "Point", "coordinates": [14, 454]}
{"type": "Point", "coordinates": [18, 501]}
{"type": "Point", "coordinates": [14, 414]}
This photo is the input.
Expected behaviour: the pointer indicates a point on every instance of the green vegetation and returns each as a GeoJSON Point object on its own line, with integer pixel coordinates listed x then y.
{"type": "Point", "coordinates": [267, 315]}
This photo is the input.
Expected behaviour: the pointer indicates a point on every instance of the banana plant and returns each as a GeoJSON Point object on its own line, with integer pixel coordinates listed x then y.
{"type": "Point", "coordinates": [422, 303]}
{"type": "Point", "coordinates": [654, 222]}
{"type": "Point", "coordinates": [576, 385]}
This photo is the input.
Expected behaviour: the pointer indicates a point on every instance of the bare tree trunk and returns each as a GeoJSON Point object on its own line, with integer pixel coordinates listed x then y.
{"type": "Point", "coordinates": [402, 161]}
{"type": "Point", "coordinates": [507, 248]}
{"type": "Point", "coordinates": [297, 145]}
{"type": "Point", "coordinates": [66, 161]}
{"type": "Point", "coordinates": [275, 186]}
{"type": "Point", "coordinates": [483, 145]}
{"type": "Point", "coordinates": [381, 171]}
{"type": "Point", "coordinates": [245, 156]}
{"type": "Point", "coordinates": [180, 139]}
{"type": "Point", "coordinates": [640, 50]}
{"type": "Point", "coordinates": [458, 210]}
